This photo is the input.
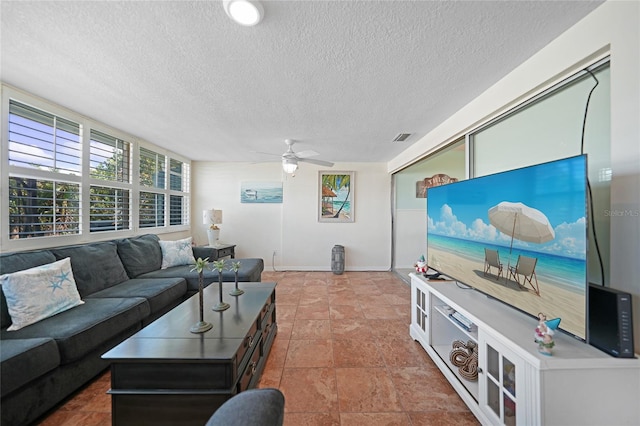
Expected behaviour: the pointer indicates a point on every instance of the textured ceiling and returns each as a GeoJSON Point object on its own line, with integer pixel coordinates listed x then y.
{"type": "Point", "coordinates": [342, 77]}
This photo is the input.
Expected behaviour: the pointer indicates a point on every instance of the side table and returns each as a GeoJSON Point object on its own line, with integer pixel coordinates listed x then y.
{"type": "Point", "coordinates": [222, 250]}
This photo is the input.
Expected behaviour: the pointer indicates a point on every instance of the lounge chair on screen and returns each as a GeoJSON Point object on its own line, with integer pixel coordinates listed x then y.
{"type": "Point", "coordinates": [525, 270]}
{"type": "Point", "coordinates": [492, 259]}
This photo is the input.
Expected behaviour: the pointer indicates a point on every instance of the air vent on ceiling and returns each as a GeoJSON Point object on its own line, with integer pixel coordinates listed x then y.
{"type": "Point", "coordinates": [402, 137]}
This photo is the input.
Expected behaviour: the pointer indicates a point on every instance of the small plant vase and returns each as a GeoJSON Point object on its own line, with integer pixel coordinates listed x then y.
{"type": "Point", "coordinates": [221, 306]}
{"type": "Point", "coordinates": [201, 326]}
{"type": "Point", "coordinates": [235, 267]}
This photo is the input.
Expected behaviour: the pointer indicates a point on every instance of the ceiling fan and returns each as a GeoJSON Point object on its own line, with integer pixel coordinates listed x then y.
{"type": "Point", "coordinates": [290, 159]}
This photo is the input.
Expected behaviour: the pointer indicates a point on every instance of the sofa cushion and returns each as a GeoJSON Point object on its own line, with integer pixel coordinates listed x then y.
{"type": "Point", "coordinates": [84, 328]}
{"type": "Point", "coordinates": [250, 271]}
{"type": "Point", "coordinates": [40, 292]}
{"type": "Point", "coordinates": [22, 360]}
{"type": "Point", "coordinates": [176, 253]}
{"type": "Point", "coordinates": [95, 266]}
{"type": "Point", "coordinates": [12, 262]}
{"type": "Point", "coordinates": [159, 292]}
{"type": "Point", "coordinates": [140, 254]}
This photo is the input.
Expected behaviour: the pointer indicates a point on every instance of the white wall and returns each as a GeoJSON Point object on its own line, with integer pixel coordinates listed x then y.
{"type": "Point", "coordinates": [612, 28]}
{"type": "Point", "coordinates": [292, 228]}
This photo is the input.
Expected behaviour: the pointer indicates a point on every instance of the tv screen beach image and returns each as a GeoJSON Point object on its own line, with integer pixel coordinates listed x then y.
{"type": "Point", "coordinates": [519, 236]}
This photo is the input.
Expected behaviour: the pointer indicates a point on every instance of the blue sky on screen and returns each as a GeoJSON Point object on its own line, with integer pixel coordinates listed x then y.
{"type": "Point", "coordinates": [557, 189]}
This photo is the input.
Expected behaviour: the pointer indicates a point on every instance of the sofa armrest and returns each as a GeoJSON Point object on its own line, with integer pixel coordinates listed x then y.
{"type": "Point", "coordinates": [203, 252]}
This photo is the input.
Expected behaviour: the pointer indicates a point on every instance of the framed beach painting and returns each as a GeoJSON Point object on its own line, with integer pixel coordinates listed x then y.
{"type": "Point", "coordinates": [336, 192]}
{"type": "Point", "coordinates": [261, 192]}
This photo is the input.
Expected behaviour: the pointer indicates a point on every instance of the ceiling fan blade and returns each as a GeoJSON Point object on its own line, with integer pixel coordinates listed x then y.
{"type": "Point", "coordinates": [266, 153]}
{"type": "Point", "coordinates": [306, 154]}
{"type": "Point", "coordinates": [318, 162]}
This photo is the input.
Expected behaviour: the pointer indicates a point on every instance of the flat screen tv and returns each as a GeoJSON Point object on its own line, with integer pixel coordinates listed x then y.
{"type": "Point", "coordinates": [519, 236]}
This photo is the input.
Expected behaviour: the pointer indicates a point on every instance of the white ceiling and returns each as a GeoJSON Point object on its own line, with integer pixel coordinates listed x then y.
{"type": "Point", "coordinates": [342, 77]}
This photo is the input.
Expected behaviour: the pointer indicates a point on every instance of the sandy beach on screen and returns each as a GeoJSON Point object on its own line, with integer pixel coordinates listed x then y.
{"type": "Point", "coordinates": [554, 301]}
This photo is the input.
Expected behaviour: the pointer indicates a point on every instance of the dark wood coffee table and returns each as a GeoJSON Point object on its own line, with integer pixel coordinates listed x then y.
{"type": "Point", "coordinates": [166, 375]}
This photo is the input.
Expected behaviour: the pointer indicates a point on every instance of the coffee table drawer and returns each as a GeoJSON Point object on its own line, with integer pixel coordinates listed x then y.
{"type": "Point", "coordinates": [162, 375]}
{"type": "Point", "coordinates": [251, 369]}
{"type": "Point", "coordinates": [267, 306]}
{"type": "Point", "coordinates": [249, 342]}
{"type": "Point", "coordinates": [170, 409]}
{"type": "Point", "coordinates": [267, 321]}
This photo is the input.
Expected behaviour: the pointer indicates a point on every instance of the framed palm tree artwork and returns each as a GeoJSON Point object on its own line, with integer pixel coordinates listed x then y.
{"type": "Point", "coordinates": [335, 196]}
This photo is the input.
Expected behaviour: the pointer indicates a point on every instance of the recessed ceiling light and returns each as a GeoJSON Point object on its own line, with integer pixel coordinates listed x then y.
{"type": "Point", "coordinates": [244, 12]}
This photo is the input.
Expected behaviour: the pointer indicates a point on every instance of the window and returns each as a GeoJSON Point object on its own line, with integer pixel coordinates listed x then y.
{"type": "Point", "coordinates": [109, 209]}
{"type": "Point", "coordinates": [40, 208]}
{"type": "Point", "coordinates": [152, 169]}
{"type": "Point", "coordinates": [109, 157]}
{"type": "Point", "coordinates": [151, 209]}
{"type": "Point", "coordinates": [66, 175]}
{"type": "Point", "coordinates": [177, 200]}
{"type": "Point", "coordinates": [175, 210]}
{"type": "Point", "coordinates": [109, 161]}
{"type": "Point", "coordinates": [50, 146]}
{"type": "Point", "coordinates": [152, 176]}
{"type": "Point", "coordinates": [43, 141]}
{"type": "Point", "coordinates": [175, 175]}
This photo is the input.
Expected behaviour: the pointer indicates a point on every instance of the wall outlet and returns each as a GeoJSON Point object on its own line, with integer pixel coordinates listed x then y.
{"type": "Point", "coordinates": [275, 253]}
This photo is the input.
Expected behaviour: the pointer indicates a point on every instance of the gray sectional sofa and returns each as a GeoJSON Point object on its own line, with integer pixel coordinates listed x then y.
{"type": "Point", "coordinates": [123, 288]}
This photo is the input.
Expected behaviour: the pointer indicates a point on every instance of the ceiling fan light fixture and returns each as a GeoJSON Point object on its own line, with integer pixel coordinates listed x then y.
{"type": "Point", "coordinates": [244, 12]}
{"type": "Point", "coordinates": [289, 165]}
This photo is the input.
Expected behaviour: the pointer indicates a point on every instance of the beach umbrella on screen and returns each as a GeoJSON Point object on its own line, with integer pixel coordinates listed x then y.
{"type": "Point", "coordinates": [521, 222]}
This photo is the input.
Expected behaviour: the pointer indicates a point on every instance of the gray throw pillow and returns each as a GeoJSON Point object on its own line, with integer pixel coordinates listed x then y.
{"type": "Point", "coordinates": [140, 254]}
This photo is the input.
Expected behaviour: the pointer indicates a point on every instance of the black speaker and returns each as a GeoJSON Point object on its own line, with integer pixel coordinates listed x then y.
{"type": "Point", "coordinates": [610, 322]}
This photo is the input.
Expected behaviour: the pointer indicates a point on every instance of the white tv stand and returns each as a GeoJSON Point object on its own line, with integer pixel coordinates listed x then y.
{"type": "Point", "coordinates": [577, 385]}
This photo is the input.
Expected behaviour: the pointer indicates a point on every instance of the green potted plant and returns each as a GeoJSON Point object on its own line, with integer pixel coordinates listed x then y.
{"type": "Point", "coordinates": [201, 326]}
{"type": "Point", "coordinates": [235, 267]}
{"type": "Point", "coordinates": [219, 266]}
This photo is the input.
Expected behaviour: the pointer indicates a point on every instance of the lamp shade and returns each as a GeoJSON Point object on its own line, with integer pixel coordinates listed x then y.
{"type": "Point", "coordinates": [212, 216]}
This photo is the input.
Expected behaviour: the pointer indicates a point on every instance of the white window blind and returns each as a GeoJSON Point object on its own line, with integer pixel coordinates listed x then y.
{"type": "Point", "coordinates": [110, 157]}
{"type": "Point", "coordinates": [52, 145]}
{"type": "Point", "coordinates": [175, 175]}
{"type": "Point", "coordinates": [41, 140]}
{"type": "Point", "coordinates": [152, 169]}
{"type": "Point", "coordinates": [109, 160]}
{"type": "Point", "coordinates": [151, 210]}
{"type": "Point", "coordinates": [109, 209]}
{"type": "Point", "coordinates": [42, 208]}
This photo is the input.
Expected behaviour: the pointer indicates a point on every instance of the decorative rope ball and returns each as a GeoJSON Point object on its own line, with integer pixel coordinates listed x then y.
{"type": "Point", "coordinates": [465, 357]}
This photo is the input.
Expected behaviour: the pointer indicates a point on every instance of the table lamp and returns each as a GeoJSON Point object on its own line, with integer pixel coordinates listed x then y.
{"type": "Point", "coordinates": [213, 218]}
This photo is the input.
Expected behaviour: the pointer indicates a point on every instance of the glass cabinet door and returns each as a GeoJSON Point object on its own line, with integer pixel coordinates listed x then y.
{"type": "Point", "coordinates": [421, 308]}
{"type": "Point", "coordinates": [419, 312]}
{"type": "Point", "coordinates": [501, 371]}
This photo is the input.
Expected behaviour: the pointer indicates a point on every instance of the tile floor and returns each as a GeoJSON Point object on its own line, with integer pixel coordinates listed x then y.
{"type": "Point", "coordinates": [342, 356]}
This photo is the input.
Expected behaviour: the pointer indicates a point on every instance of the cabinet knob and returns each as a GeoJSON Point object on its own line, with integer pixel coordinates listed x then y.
{"type": "Point", "coordinates": [479, 370]}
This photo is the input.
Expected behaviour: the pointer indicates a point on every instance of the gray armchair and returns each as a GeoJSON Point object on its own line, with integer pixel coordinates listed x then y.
{"type": "Point", "coordinates": [253, 407]}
